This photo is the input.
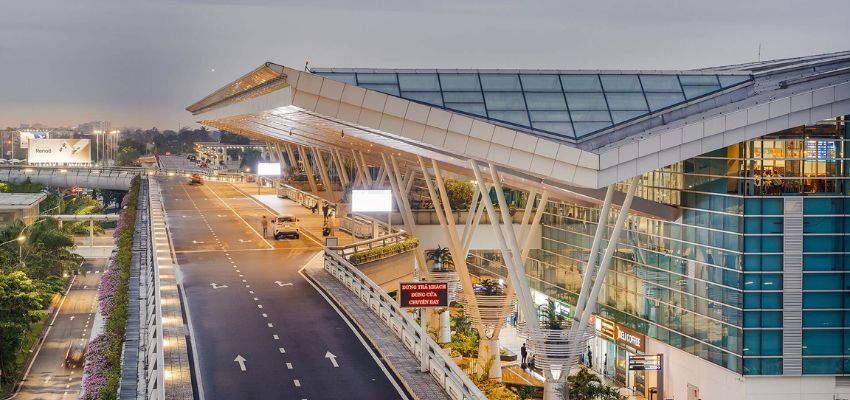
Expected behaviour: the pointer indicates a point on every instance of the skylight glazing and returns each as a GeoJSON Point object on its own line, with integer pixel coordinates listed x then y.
{"type": "Point", "coordinates": [567, 105]}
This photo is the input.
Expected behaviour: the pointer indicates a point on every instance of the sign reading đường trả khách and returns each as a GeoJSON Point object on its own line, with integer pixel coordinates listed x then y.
{"type": "Point", "coordinates": [424, 294]}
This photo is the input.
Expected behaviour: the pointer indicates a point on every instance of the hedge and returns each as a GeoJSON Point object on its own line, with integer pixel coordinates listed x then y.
{"type": "Point", "coordinates": [378, 253]}
{"type": "Point", "coordinates": [103, 358]}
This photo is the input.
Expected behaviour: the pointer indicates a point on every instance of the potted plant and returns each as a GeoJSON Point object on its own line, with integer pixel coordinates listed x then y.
{"type": "Point", "coordinates": [442, 258]}
{"type": "Point", "coordinates": [490, 287]}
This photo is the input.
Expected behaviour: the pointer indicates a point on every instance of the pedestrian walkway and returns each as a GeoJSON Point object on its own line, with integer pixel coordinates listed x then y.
{"type": "Point", "coordinates": [309, 222]}
{"type": "Point", "coordinates": [420, 385]}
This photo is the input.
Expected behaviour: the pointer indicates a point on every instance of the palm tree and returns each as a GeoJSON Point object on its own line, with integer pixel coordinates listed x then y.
{"type": "Point", "coordinates": [442, 258]}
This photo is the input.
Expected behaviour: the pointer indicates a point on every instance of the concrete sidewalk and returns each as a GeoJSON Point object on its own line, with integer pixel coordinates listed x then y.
{"type": "Point", "coordinates": [310, 223]}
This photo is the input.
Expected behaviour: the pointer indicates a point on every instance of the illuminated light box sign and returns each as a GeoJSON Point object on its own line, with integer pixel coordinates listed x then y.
{"type": "Point", "coordinates": [644, 363]}
{"type": "Point", "coordinates": [268, 169]}
{"type": "Point", "coordinates": [424, 294]}
{"type": "Point", "coordinates": [371, 201]}
{"type": "Point", "coordinates": [26, 136]}
{"type": "Point", "coordinates": [59, 151]}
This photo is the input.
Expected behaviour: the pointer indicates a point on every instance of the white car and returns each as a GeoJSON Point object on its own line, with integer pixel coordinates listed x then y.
{"type": "Point", "coordinates": [286, 225]}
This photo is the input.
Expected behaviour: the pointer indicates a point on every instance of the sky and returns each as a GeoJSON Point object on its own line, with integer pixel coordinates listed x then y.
{"type": "Point", "coordinates": [140, 63]}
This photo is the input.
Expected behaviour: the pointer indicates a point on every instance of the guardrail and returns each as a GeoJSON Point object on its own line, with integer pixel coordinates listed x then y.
{"type": "Point", "coordinates": [358, 227]}
{"type": "Point", "coordinates": [442, 368]}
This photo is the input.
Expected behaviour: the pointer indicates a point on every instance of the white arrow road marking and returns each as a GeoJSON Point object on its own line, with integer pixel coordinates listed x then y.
{"type": "Point", "coordinates": [197, 242]}
{"type": "Point", "coordinates": [241, 360]}
{"type": "Point", "coordinates": [72, 318]}
{"type": "Point", "coordinates": [217, 286]}
{"type": "Point", "coordinates": [244, 241]}
{"type": "Point", "coordinates": [281, 284]}
{"type": "Point", "coordinates": [333, 359]}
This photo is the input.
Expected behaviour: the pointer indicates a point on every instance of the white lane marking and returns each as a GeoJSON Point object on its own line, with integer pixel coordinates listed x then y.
{"type": "Point", "coordinates": [256, 299]}
{"type": "Point", "coordinates": [288, 365]}
{"type": "Point", "coordinates": [282, 350]}
{"type": "Point", "coordinates": [265, 315]}
{"type": "Point", "coordinates": [244, 280]}
{"type": "Point", "coordinates": [217, 286]}
{"type": "Point", "coordinates": [296, 382]}
{"type": "Point", "coordinates": [259, 306]}
{"type": "Point", "coordinates": [276, 337]}
{"type": "Point", "coordinates": [270, 325]}
{"type": "Point", "coordinates": [241, 360]}
{"type": "Point", "coordinates": [332, 357]}
{"type": "Point", "coordinates": [251, 291]}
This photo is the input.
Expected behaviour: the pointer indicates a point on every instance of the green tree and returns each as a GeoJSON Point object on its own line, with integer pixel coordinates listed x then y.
{"type": "Point", "coordinates": [586, 385]}
{"type": "Point", "coordinates": [20, 302]}
{"type": "Point", "coordinates": [127, 156]}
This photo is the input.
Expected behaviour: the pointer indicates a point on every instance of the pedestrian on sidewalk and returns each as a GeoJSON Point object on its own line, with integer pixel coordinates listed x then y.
{"type": "Point", "coordinates": [265, 223]}
{"type": "Point", "coordinates": [524, 353]}
{"type": "Point", "coordinates": [589, 357]}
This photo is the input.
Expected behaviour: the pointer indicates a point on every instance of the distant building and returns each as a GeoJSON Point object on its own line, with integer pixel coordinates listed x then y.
{"type": "Point", "coordinates": [23, 206]}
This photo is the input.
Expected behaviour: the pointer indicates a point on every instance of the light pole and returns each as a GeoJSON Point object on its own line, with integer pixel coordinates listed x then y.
{"type": "Point", "coordinates": [20, 239]}
{"type": "Point", "coordinates": [113, 141]}
{"type": "Point", "coordinates": [97, 134]}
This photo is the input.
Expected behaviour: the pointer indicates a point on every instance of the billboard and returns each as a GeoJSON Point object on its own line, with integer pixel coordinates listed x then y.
{"type": "Point", "coordinates": [26, 136]}
{"type": "Point", "coordinates": [268, 169]}
{"type": "Point", "coordinates": [59, 151]}
{"type": "Point", "coordinates": [371, 200]}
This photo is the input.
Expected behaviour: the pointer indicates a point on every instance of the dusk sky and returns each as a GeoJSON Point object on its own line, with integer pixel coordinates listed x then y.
{"type": "Point", "coordinates": [140, 63]}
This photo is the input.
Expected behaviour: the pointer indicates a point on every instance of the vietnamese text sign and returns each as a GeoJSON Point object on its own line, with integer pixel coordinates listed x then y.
{"type": "Point", "coordinates": [26, 136]}
{"type": "Point", "coordinates": [424, 294]}
{"type": "Point", "coordinates": [645, 363]}
{"type": "Point", "coordinates": [59, 151]}
{"type": "Point", "coordinates": [268, 169]}
{"type": "Point", "coordinates": [371, 200]}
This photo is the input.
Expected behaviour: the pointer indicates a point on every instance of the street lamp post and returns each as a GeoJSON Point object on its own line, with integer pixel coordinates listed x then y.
{"type": "Point", "coordinates": [20, 239]}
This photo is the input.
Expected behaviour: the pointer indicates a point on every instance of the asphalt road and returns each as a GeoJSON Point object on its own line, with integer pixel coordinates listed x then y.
{"type": "Point", "coordinates": [48, 377]}
{"type": "Point", "coordinates": [246, 299]}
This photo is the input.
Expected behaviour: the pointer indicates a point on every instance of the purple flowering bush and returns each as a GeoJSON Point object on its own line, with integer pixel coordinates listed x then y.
{"type": "Point", "coordinates": [103, 357]}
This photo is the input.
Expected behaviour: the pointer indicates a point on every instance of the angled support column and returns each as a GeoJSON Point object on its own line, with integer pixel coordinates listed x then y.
{"type": "Point", "coordinates": [367, 176]}
{"type": "Point", "coordinates": [382, 174]}
{"type": "Point", "coordinates": [285, 168]}
{"type": "Point", "coordinates": [308, 169]}
{"type": "Point", "coordinates": [340, 169]}
{"type": "Point", "coordinates": [510, 255]}
{"type": "Point", "coordinates": [323, 172]}
{"type": "Point", "coordinates": [361, 173]}
{"type": "Point", "coordinates": [293, 161]}
{"type": "Point", "coordinates": [406, 215]}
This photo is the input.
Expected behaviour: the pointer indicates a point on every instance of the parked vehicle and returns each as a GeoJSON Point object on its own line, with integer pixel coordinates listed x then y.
{"type": "Point", "coordinates": [286, 225]}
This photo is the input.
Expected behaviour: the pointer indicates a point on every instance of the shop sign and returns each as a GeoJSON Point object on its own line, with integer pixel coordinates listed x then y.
{"type": "Point", "coordinates": [619, 333]}
{"type": "Point", "coordinates": [645, 363]}
{"type": "Point", "coordinates": [424, 294]}
{"type": "Point", "coordinates": [605, 327]}
{"type": "Point", "coordinates": [631, 338]}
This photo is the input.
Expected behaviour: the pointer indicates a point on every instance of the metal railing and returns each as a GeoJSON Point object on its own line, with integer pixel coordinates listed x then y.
{"type": "Point", "coordinates": [441, 367]}
{"type": "Point", "coordinates": [370, 244]}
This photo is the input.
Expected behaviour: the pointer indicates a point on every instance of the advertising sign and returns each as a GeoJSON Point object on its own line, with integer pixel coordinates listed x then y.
{"type": "Point", "coordinates": [59, 151]}
{"type": "Point", "coordinates": [371, 201]}
{"type": "Point", "coordinates": [645, 363]}
{"type": "Point", "coordinates": [268, 169]}
{"type": "Point", "coordinates": [26, 136]}
{"type": "Point", "coordinates": [424, 294]}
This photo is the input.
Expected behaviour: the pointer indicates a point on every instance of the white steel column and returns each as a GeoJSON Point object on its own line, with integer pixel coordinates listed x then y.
{"type": "Point", "coordinates": [367, 176]}
{"type": "Point", "coordinates": [308, 169]}
{"type": "Point", "coordinates": [323, 172]}
{"type": "Point", "coordinates": [452, 243]}
{"type": "Point", "coordinates": [406, 215]}
{"type": "Point", "coordinates": [512, 261]}
{"type": "Point", "coordinates": [293, 162]}
{"type": "Point", "coordinates": [590, 267]}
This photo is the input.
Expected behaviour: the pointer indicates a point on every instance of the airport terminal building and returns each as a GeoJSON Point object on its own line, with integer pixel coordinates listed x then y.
{"type": "Point", "coordinates": [734, 260]}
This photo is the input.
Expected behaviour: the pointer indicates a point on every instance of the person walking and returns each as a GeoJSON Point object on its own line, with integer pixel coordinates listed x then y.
{"type": "Point", "coordinates": [265, 223]}
{"type": "Point", "coordinates": [524, 353]}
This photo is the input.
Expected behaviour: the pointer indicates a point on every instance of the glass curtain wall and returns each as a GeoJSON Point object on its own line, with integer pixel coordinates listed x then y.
{"type": "Point", "coordinates": [710, 283]}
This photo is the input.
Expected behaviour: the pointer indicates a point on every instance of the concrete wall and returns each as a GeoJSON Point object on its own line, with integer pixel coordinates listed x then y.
{"type": "Point", "coordinates": [682, 369]}
{"type": "Point", "coordinates": [484, 239]}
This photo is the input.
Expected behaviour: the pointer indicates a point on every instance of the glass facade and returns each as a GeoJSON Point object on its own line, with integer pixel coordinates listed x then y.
{"type": "Point", "coordinates": [711, 282]}
{"type": "Point", "coordinates": [570, 105]}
